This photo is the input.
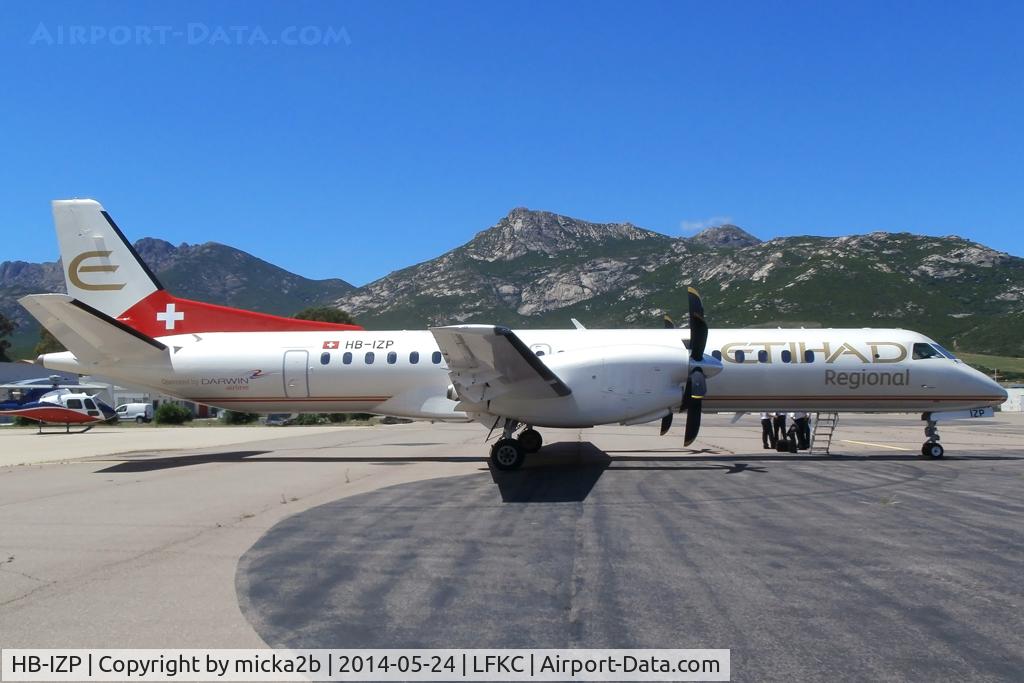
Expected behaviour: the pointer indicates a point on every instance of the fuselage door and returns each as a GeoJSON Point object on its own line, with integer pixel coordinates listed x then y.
{"type": "Point", "coordinates": [296, 374]}
{"type": "Point", "coordinates": [90, 408]}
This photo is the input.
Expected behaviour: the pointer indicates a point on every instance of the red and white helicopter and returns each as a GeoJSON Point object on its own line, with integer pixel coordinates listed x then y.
{"type": "Point", "coordinates": [49, 402]}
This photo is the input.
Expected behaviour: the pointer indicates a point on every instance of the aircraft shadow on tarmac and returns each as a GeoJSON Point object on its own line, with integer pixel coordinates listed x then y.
{"type": "Point", "coordinates": [567, 472]}
{"type": "Point", "coordinates": [560, 472]}
{"type": "Point", "coordinates": [144, 464]}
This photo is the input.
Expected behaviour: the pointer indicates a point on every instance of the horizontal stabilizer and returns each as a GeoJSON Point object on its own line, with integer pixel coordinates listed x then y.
{"type": "Point", "coordinates": [94, 337]}
{"type": "Point", "coordinates": [485, 362]}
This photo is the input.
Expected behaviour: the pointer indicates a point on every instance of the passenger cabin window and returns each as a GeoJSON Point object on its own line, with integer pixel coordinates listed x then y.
{"type": "Point", "coordinates": [414, 357]}
{"type": "Point", "coordinates": [369, 357]}
{"type": "Point", "coordinates": [716, 354]}
{"type": "Point", "coordinates": [75, 403]}
{"type": "Point", "coordinates": [762, 356]}
{"type": "Point", "coordinates": [740, 356]}
{"type": "Point", "coordinates": [435, 358]}
{"type": "Point", "coordinates": [787, 356]}
{"type": "Point", "coordinates": [89, 404]}
{"type": "Point", "coordinates": [347, 358]}
{"type": "Point", "coordinates": [392, 358]}
{"type": "Point", "coordinates": [808, 356]}
{"type": "Point", "coordinates": [325, 358]}
{"type": "Point", "coordinates": [922, 351]}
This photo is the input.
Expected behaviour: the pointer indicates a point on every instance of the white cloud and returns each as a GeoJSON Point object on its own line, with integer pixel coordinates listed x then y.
{"type": "Point", "coordinates": [692, 227]}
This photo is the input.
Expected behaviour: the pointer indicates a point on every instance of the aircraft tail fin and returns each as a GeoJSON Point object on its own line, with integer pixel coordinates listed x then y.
{"type": "Point", "coordinates": [103, 271]}
{"type": "Point", "coordinates": [92, 336]}
{"type": "Point", "coordinates": [101, 268]}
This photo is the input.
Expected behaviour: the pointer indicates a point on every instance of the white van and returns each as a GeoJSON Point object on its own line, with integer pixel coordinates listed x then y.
{"type": "Point", "coordinates": [140, 412]}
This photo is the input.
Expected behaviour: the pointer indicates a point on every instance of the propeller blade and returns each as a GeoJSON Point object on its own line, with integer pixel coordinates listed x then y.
{"type": "Point", "coordinates": [667, 322]}
{"type": "Point", "coordinates": [666, 423]}
{"type": "Point", "coordinates": [698, 328]}
{"type": "Point", "coordinates": [692, 422]}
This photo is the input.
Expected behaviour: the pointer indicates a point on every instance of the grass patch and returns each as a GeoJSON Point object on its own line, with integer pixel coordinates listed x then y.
{"type": "Point", "coordinates": [1009, 367]}
{"type": "Point", "coordinates": [1007, 363]}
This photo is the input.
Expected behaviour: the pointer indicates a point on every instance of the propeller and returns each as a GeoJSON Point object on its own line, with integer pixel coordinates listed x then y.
{"type": "Point", "coordinates": [666, 423]}
{"type": "Point", "coordinates": [696, 382]}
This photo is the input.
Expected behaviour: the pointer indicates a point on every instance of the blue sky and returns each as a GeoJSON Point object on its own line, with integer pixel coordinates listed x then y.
{"type": "Point", "coordinates": [424, 122]}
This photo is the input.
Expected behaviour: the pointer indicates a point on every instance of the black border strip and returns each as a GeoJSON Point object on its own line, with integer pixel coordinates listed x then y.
{"type": "Point", "coordinates": [536, 363]}
{"type": "Point", "coordinates": [128, 244]}
{"type": "Point", "coordinates": [118, 324]}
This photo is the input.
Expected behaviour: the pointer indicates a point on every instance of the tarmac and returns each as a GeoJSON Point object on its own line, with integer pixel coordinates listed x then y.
{"type": "Point", "coordinates": [869, 563]}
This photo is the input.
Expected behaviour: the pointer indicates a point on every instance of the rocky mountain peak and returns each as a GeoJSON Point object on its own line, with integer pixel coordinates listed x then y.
{"type": "Point", "coordinates": [726, 235]}
{"type": "Point", "coordinates": [157, 253]}
{"type": "Point", "coordinates": [525, 231]}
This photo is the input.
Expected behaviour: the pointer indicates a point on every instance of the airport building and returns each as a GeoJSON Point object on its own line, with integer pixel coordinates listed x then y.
{"type": "Point", "coordinates": [1014, 399]}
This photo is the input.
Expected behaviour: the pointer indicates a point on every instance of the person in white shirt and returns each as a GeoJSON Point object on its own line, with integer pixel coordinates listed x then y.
{"type": "Point", "coordinates": [767, 431]}
{"type": "Point", "coordinates": [801, 429]}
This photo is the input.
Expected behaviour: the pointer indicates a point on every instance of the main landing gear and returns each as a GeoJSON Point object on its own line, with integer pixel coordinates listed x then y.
{"type": "Point", "coordinates": [508, 452]}
{"type": "Point", "coordinates": [931, 448]}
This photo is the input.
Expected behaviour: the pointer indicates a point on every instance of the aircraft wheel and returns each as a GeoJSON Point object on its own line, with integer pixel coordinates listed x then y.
{"type": "Point", "coordinates": [507, 454]}
{"type": "Point", "coordinates": [531, 440]}
{"type": "Point", "coordinates": [932, 450]}
{"type": "Point", "coordinates": [139, 420]}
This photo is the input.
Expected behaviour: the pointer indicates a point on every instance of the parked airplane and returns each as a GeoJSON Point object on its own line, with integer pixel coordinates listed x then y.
{"type": "Point", "coordinates": [118, 321]}
{"type": "Point", "coordinates": [50, 402]}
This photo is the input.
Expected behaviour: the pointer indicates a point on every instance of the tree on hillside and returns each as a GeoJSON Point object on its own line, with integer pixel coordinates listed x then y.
{"type": "Point", "coordinates": [47, 343]}
{"type": "Point", "coordinates": [324, 314]}
{"type": "Point", "coordinates": [6, 330]}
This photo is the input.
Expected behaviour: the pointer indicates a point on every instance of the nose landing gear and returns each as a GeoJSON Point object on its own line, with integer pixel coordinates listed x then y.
{"type": "Point", "coordinates": [931, 448]}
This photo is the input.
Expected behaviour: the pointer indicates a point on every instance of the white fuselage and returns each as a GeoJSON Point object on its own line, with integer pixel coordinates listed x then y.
{"type": "Point", "coordinates": [616, 376]}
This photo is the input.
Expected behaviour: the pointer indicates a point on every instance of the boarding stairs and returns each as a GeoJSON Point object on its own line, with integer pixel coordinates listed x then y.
{"type": "Point", "coordinates": [824, 429]}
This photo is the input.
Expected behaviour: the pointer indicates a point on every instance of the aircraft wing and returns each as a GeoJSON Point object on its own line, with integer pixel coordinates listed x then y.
{"type": "Point", "coordinates": [485, 362]}
{"type": "Point", "coordinates": [92, 336]}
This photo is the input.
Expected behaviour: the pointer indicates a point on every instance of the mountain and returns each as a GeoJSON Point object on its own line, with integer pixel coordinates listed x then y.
{"type": "Point", "coordinates": [208, 272]}
{"type": "Point", "coordinates": [538, 269]}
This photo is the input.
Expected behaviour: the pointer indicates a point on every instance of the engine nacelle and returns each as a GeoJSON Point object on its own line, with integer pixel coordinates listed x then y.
{"type": "Point", "coordinates": [609, 385]}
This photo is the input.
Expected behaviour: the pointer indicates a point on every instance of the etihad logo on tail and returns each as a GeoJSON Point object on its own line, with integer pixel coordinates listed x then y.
{"type": "Point", "coordinates": [76, 267]}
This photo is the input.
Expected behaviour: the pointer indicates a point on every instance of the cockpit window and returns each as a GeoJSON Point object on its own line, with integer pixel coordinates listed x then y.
{"type": "Point", "coordinates": [948, 354]}
{"type": "Point", "coordinates": [922, 351]}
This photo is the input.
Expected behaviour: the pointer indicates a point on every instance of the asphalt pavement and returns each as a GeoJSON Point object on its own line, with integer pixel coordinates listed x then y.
{"type": "Point", "coordinates": [871, 563]}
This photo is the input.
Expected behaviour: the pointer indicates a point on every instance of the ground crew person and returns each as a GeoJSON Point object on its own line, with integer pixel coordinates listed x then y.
{"type": "Point", "coordinates": [767, 430]}
{"type": "Point", "coordinates": [780, 427]}
{"type": "Point", "coordinates": [801, 429]}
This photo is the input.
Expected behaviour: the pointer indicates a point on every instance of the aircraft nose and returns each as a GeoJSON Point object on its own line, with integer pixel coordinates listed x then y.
{"type": "Point", "coordinates": [1001, 393]}
{"type": "Point", "coordinates": [985, 386]}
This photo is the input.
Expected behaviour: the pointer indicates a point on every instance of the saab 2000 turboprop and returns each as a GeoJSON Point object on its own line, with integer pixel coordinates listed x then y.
{"type": "Point", "coordinates": [118, 321]}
